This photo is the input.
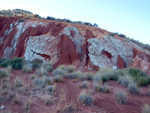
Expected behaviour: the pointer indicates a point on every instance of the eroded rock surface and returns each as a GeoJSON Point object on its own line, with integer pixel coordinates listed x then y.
{"type": "Point", "coordinates": [87, 47]}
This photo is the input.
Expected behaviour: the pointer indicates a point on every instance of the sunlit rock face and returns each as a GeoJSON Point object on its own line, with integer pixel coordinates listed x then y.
{"type": "Point", "coordinates": [87, 47]}
{"type": "Point", "coordinates": [110, 52]}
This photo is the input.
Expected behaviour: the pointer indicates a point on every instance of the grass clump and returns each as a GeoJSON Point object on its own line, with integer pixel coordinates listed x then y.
{"type": "Point", "coordinates": [57, 78]}
{"type": "Point", "coordinates": [41, 72]}
{"type": "Point", "coordinates": [146, 108]}
{"type": "Point", "coordinates": [81, 76]}
{"type": "Point", "coordinates": [4, 73]}
{"type": "Point", "coordinates": [89, 76]}
{"type": "Point", "coordinates": [69, 108]}
{"type": "Point", "coordinates": [67, 68]}
{"type": "Point", "coordinates": [50, 88]}
{"type": "Point", "coordinates": [133, 89]}
{"type": "Point", "coordinates": [85, 98]}
{"type": "Point", "coordinates": [36, 63]}
{"type": "Point", "coordinates": [48, 100]}
{"type": "Point", "coordinates": [38, 83]}
{"type": "Point", "coordinates": [125, 80]}
{"type": "Point", "coordinates": [47, 80]}
{"type": "Point", "coordinates": [120, 97]}
{"type": "Point", "coordinates": [84, 85]}
{"type": "Point", "coordinates": [104, 89]}
{"type": "Point", "coordinates": [27, 68]}
{"type": "Point", "coordinates": [18, 82]}
{"type": "Point", "coordinates": [59, 72]}
{"type": "Point", "coordinates": [47, 67]}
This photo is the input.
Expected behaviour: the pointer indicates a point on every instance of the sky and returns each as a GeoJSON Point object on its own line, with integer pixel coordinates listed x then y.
{"type": "Point", "coordinates": [129, 17]}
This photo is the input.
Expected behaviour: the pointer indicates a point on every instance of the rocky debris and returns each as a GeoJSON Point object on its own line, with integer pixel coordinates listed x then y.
{"type": "Point", "coordinates": [86, 47]}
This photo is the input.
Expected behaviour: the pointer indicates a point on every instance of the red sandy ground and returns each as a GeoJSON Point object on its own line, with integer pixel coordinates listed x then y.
{"type": "Point", "coordinates": [104, 102]}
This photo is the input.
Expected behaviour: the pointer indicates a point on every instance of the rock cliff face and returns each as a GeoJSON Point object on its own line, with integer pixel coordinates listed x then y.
{"type": "Point", "coordinates": [86, 47]}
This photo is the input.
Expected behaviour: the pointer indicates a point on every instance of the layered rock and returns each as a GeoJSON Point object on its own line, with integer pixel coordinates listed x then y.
{"type": "Point", "coordinates": [87, 47]}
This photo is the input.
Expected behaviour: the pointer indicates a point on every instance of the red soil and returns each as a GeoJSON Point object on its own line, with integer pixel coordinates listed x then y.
{"type": "Point", "coordinates": [104, 102]}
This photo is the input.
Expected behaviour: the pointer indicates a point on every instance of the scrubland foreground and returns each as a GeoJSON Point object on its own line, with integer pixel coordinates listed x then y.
{"type": "Point", "coordinates": [35, 87]}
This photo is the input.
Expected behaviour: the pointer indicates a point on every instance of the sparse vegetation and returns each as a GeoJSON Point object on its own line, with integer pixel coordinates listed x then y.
{"type": "Point", "coordinates": [36, 63]}
{"type": "Point", "coordinates": [120, 97]}
{"type": "Point", "coordinates": [27, 68]}
{"type": "Point", "coordinates": [104, 89]}
{"type": "Point", "coordinates": [84, 85]}
{"type": "Point", "coordinates": [57, 78]}
{"type": "Point", "coordinates": [133, 89]}
{"type": "Point", "coordinates": [86, 98]}
{"type": "Point", "coordinates": [125, 81]}
{"type": "Point", "coordinates": [50, 88]}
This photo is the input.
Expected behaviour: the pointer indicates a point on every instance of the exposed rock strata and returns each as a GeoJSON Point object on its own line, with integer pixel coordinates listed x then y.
{"type": "Point", "coordinates": [86, 47]}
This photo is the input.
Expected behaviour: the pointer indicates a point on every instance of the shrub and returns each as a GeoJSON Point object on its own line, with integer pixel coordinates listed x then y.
{"type": "Point", "coordinates": [97, 78]}
{"type": "Point", "coordinates": [104, 89]}
{"type": "Point", "coordinates": [81, 77]}
{"type": "Point", "coordinates": [85, 98]}
{"type": "Point", "coordinates": [17, 63]}
{"type": "Point", "coordinates": [125, 81]}
{"type": "Point", "coordinates": [36, 63]}
{"type": "Point", "coordinates": [57, 78]}
{"type": "Point", "coordinates": [18, 82]}
{"type": "Point", "coordinates": [50, 88]}
{"type": "Point", "coordinates": [70, 108]}
{"type": "Point", "coordinates": [3, 73]}
{"type": "Point", "coordinates": [48, 100]}
{"type": "Point", "coordinates": [47, 80]}
{"type": "Point", "coordinates": [135, 73]}
{"type": "Point", "coordinates": [67, 68]}
{"type": "Point", "coordinates": [120, 97]}
{"type": "Point", "coordinates": [47, 67]}
{"type": "Point", "coordinates": [4, 62]}
{"type": "Point", "coordinates": [38, 83]}
{"type": "Point", "coordinates": [84, 85]}
{"type": "Point", "coordinates": [89, 76]}
{"type": "Point", "coordinates": [41, 72]}
{"type": "Point", "coordinates": [59, 72]}
{"type": "Point", "coordinates": [133, 89]}
{"type": "Point", "coordinates": [27, 68]}
{"type": "Point", "coordinates": [96, 86]}
{"type": "Point", "coordinates": [146, 108]}
{"type": "Point", "coordinates": [142, 81]}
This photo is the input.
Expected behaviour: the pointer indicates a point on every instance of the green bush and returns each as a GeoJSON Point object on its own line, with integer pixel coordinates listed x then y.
{"type": "Point", "coordinates": [142, 81]}
{"type": "Point", "coordinates": [17, 63]}
{"type": "Point", "coordinates": [4, 62]}
{"type": "Point", "coordinates": [135, 73]}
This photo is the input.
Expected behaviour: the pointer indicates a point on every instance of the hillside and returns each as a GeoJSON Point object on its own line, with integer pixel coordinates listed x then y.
{"type": "Point", "coordinates": [60, 66]}
{"type": "Point", "coordinates": [86, 47]}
